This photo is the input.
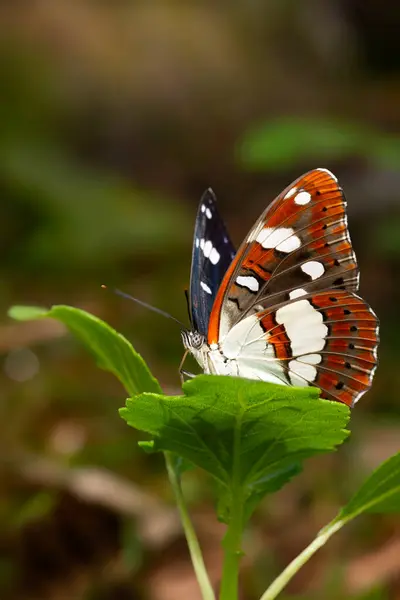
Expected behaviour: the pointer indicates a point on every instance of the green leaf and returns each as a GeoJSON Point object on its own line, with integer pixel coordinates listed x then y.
{"type": "Point", "coordinates": [379, 493]}
{"type": "Point", "coordinates": [287, 141]}
{"type": "Point", "coordinates": [27, 313]}
{"type": "Point", "coordinates": [272, 482]}
{"type": "Point", "coordinates": [111, 350]}
{"type": "Point", "coordinates": [248, 435]}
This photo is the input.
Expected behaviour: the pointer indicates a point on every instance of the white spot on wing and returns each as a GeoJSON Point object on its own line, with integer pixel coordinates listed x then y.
{"type": "Point", "coordinates": [297, 293]}
{"type": "Point", "coordinates": [209, 251]}
{"type": "Point", "coordinates": [292, 243]}
{"type": "Point", "coordinates": [205, 287]}
{"type": "Point", "coordinates": [290, 193]}
{"type": "Point", "coordinates": [311, 359]}
{"type": "Point", "coordinates": [303, 368]}
{"type": "Point", "coordinates": [303, 371]}
{"type": "Point", "coordinates": [250, 282]}
{"type": "Point", "coordinates": [302, 198]}
{"type": "Point", "coordinates": [281, 238]}
{"type": "Point", "coordinates": [203, 208]}
{"type": "Point", "coordinates": [197, 242]}
{"type": "Point", "coordinates": [214, 256]}
{"type": "Point", "coordinates": [304, 327]}
{"type": "Point", "coordinates": [208, 213]}
{"type": "Point", "coordinates": [255, 232]}
{"type": "Point", "coordinates": [313, 268]}
{"type": "Point", "coordinates": [207, 248]}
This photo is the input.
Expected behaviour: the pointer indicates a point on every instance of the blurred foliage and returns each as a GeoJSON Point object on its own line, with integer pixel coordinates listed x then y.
{"type": "Point", "coordinates": [374, 594]}
{"type": "Point", "coordinates": [36, 507]}
{"type": "Point", "coordinates": [387, 238]}
{"type": "Point", "coordinates": [82, 216]}
{"type": "Point", "coordinates": [73, 213]}
{"type": "Point", "coordinates": [290, 141]}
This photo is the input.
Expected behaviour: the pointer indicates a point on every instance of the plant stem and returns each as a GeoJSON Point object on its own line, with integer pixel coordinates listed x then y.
{"type": "Point", "coordinates": [203, 580]}
{"type": "Point", "coordinates": [232, 542]}
{"type": "Point", "coordinates": [283, 579]}
{"type": "Point", "coordinates": [232, 553]}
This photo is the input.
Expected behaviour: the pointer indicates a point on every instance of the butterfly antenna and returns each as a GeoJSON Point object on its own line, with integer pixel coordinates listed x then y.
{"type": "Point", "coordinates": [149, 306]}
{"type": "Point", "coordinates": [188, 307]}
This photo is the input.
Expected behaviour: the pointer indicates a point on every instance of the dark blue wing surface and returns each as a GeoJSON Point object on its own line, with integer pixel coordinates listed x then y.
{"type": "Point", "coordinates": [212, 254]}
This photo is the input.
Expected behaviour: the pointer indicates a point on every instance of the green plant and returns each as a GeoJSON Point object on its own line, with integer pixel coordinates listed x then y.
{"type": "Point", "coordinates": [251, 437]}
{"type": "Point", "coordinates": [288, 141]}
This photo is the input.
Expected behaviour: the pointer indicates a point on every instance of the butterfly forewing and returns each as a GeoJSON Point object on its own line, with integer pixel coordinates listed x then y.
{"type": "Point", "coordinates": [300, 241]}
{"type": "Point", "coordinates": [212, 254]}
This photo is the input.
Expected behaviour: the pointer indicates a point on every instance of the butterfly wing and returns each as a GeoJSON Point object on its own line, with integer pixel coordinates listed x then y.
{"type": "Point", "coordinates": [286, 309]}
{"type": "Point", "coordinates": [212, 254]}
{"type": "Point", "coordinates": [328, 339]}
{"type": "Point", "coordinates": [301, 241]}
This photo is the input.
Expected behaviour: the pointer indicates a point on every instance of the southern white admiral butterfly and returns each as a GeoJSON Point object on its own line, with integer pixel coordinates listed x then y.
{"type": "Point", "coordinates": [283, 308]}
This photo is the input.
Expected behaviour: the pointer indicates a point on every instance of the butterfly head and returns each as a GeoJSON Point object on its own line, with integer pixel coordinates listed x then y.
{"type": "Point", "coordinates": [192, 340]}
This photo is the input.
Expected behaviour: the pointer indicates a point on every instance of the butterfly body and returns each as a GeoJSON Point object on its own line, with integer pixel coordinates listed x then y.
{"type": "Point", "coordinates": [226, 359]}
{"type": "Point", "coordinates": [283, 309]}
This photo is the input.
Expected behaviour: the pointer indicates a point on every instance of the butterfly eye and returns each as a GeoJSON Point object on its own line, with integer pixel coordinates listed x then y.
{"type": "Point", "coordinates": [192, 339]}
{"type": "Point", "coordinates": [196, 340]}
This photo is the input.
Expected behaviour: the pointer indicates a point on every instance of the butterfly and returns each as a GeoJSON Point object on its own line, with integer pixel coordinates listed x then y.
{"type": "Point", "coordinates": [283, 308]}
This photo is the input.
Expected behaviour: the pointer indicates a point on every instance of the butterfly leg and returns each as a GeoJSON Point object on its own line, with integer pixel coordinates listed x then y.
{"type": "Point", "coordinates": [182, 372]}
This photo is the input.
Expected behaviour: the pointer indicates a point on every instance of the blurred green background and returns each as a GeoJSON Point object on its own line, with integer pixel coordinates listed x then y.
{"type": "Point", "coordinates": [115, 116]}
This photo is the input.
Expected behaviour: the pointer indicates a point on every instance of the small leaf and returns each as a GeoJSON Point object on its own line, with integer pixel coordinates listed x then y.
{"type": "Point", "coordinates": [111, 350]}
{"type": "Point", "coordinates": [147, 446]}
{"type": "Point", "coordinates": [245, 433]}
{"type": "Point", "coordinates": [272, 482]}
{"type": "Point", "coordinates": [380, 493]}
{"type": "Point", "coordinates": [27, 313]}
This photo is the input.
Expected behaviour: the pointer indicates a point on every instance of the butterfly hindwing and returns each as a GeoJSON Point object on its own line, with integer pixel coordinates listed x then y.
{"type": "Point", "coordinates": [300, 241]}
{"type": "Point", "coordinates": [212, 254]}
{"type": "Point", "coordinates": [331, 340]}
{"type": "Point", "coordinates": [328, 340]}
